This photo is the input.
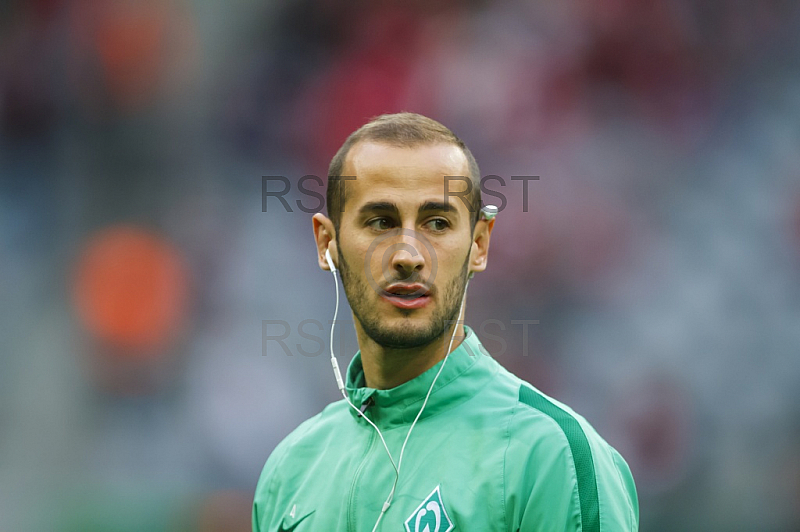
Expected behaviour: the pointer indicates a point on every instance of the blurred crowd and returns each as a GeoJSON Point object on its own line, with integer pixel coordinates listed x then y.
{"type": "Point", "coordinates": [648, 277]}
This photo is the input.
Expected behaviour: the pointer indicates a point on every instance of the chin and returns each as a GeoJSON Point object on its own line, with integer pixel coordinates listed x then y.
{"type": "Point", "coordinates": [403, 334]}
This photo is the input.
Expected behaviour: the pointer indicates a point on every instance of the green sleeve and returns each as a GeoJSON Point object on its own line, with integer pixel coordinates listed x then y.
{"type": "Point", "coordinates": [265, 501]}
{"type": "Point", "coordinates": [265, 496]}
{"type": "Point", "coordinates": [626, 491]}
{"type": "Point", "coordinates": [541, 488]}
{"type": "Point", "coordinates": [256, 527]}
{"type": "Point", "coordinates": [562, 476]}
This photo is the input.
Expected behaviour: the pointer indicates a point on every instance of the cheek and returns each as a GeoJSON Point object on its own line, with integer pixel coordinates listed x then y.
{"type": "Point", "coordinates": [354, 254]}
{"type": "Point", "coordinates": [452, 265]}
{"type": "Point", "coordinates": [377, 259]}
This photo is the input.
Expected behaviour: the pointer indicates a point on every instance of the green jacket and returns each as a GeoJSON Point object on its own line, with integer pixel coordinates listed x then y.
{"type": "Point", "coordinates": [489, 453]}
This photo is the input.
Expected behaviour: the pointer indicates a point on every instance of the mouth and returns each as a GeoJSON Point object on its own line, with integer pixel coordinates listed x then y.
{"type": "Point", "coordinates": [407, 296]}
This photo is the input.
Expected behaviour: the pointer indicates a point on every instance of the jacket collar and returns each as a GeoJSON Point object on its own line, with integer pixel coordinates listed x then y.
{"type": "Point", "coordinates": [469, 367]}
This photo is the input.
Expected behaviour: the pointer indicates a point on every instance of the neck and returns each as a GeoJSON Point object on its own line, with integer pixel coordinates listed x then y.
{"type": "Point", "coordinates": [387, 367]}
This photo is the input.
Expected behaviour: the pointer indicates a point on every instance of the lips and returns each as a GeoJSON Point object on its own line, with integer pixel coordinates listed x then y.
{"type": "Point", "coordinates": [407, 296]}
{"type": "Point", "coordinates": [408, 290]}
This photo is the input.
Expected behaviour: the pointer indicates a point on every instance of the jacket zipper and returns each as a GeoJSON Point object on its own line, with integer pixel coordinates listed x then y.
{"type": "Point", "coordinates": [351, 517]}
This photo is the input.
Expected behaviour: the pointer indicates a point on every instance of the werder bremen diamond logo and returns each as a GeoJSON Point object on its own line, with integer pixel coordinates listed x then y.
{"type": "Point", "coordinates": [430, 516]}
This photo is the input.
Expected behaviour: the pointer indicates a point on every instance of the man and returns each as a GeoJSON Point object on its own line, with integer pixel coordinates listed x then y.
{"type": "Point", "coordinates": [433, 434]}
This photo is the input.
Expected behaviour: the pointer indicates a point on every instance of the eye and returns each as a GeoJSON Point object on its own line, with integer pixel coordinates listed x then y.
{"type": "Point", "coordinates": [438, 224]}
{"type": "Point", "coordinates": [380, 224]}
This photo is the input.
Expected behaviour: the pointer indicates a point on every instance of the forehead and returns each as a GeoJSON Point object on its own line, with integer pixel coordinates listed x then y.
{"type": "Point", "coordinates": [394, 173]}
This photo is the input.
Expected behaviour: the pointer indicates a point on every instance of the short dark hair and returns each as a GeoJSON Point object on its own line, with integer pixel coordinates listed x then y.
{"type": "Point", "coordinates": [405, 130]}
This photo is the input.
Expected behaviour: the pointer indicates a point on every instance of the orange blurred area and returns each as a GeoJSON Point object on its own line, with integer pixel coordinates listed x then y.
{"type": "Point", "coordinates": [131, 290]}
{"type": "Point", "coordinates": [131, 53]}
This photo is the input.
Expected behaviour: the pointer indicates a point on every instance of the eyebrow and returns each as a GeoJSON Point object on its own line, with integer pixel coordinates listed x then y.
{"type": "Point", "coordinates": [428, 206]}
{"type": "Point", "coordinates": [438, 206]}
{"type": "Point", "coordinates": [378, 206]}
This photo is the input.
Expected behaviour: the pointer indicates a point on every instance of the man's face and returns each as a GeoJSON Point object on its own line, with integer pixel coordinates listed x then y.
{"type": "Point", "coordinates": [403, 254]}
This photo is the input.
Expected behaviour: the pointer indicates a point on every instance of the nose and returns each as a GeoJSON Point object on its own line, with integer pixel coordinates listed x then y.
{"type": "Point", "coordinates": [406, 260]}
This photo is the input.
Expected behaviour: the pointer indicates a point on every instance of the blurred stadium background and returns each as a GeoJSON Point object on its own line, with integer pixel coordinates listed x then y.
{"type": "Point", "coordinates": [660, 250]}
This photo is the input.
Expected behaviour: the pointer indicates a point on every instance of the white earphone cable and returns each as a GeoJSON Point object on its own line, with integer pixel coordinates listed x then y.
{"type": "Point", "coordinates": [340, 383]}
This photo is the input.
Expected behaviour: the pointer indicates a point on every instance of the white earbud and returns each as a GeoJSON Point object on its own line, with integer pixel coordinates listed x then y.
{"type": "Point", "coordinates": [488, 212]}
{"type": "Point", "coordinates": [330, 260]}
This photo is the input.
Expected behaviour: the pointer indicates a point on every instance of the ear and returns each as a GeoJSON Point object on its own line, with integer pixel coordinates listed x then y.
{"type": "Point", "coordinates": [325, 236]}
{"type": "Point", "coordinates": [479, 254]}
